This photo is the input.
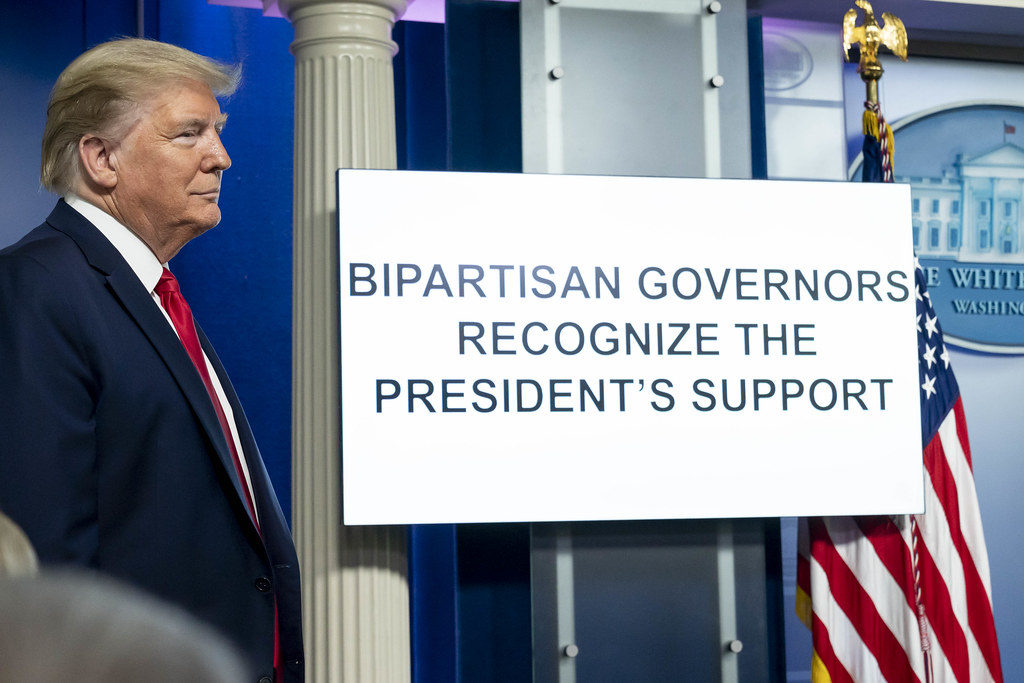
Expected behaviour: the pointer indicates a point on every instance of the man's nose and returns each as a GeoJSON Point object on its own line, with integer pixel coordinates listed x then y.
{"type": "Point", "coordinates": [216, 158]}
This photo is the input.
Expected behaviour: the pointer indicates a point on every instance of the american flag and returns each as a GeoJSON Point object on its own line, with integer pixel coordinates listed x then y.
{"type": "Point", "coordinates": [907, 598]}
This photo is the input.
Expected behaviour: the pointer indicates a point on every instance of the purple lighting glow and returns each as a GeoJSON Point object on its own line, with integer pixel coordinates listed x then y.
{"type": "Point", "coordinates": [417, 10]}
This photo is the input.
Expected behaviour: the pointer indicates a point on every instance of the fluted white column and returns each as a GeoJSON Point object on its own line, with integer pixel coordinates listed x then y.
{"type": "Point", "coordinates": [355, 591]}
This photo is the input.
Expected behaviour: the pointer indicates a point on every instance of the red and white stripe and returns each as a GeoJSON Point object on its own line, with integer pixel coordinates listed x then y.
{"type": "Point", "coordinates": [856, 583]}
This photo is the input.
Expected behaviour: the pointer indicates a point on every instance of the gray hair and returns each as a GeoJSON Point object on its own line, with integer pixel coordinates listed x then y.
{"type": "Point", "coordinates": [17, 558]}
{"type": "Point", "coordinates": [80, 627]}
{"type": "Point", "coordinates": [99, 91]}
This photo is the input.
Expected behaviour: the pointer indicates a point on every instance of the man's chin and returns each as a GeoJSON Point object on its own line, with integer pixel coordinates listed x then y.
{"type": "Point", "coordinates": [210, 219]}
{"type": "Point", "coordinates": [198, 227]}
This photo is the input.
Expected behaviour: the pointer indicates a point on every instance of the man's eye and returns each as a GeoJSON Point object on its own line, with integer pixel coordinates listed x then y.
{"type": "Point", "coordinates": [188, 134]}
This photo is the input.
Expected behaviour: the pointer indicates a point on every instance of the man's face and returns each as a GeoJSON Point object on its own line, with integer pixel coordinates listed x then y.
{"type": "Point", "coordinates": [169, 168]}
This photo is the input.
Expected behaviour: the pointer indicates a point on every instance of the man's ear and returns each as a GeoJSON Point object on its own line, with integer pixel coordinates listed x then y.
{"type": "Point", "coordinates": [96, 155]}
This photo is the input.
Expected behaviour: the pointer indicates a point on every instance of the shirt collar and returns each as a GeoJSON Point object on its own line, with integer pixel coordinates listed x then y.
{"type": "Point", "coordinates": [143, 262]}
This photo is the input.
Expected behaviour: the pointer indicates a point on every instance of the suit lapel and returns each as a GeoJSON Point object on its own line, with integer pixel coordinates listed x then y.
{"type": "Point", "coordinates": [266, 500]}
{"type": "Point", "coordinates": [139, 304]}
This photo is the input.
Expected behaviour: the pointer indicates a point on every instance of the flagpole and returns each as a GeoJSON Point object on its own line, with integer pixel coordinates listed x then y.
{"type": "Point", "coordinates": [870, 74]}
{"type": "Point", "coordinates": [870, 36]}
{"type": "Point", "coordinates": [871, 88]}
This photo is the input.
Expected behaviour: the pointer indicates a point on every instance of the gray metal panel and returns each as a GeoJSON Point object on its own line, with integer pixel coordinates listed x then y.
{"type": "Point", "coordinates": [623, 87]}
{"type": "Point", "coordinates": [645, 601]}
{"type": "Point", "coordinates": [627, 106]}
{"type": "Point", "coordinates": [734, 102]}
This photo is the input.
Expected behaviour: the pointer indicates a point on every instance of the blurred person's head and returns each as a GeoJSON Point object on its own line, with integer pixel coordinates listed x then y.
{"type": "Point", "coordinates": [17, 558]}
{"type": "Point", "coordinates": [59, 627]}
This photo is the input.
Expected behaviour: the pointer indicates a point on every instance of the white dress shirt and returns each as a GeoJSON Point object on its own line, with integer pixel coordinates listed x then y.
{"type": "Point", "coordinates": [148, 269]}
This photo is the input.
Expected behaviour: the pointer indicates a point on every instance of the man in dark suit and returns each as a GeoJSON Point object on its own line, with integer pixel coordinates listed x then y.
{"type": "Point", "coordinates": [123, 446]}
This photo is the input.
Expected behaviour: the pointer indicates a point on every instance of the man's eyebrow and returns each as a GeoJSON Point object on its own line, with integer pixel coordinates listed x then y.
{"type": "Point", "coordinates": [199, 123]}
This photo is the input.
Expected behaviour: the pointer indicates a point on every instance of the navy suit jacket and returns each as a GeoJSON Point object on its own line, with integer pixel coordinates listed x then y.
{"type": "Point", "coordinates": [111, 454]}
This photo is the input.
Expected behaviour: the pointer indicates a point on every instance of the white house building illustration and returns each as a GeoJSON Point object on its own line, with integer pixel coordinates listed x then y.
{"type": "Point", "coordinates": [972, 212]}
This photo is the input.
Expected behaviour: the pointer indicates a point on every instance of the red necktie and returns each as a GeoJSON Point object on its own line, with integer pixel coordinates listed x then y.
{"type": "Point", "coordinates": [181, 317]}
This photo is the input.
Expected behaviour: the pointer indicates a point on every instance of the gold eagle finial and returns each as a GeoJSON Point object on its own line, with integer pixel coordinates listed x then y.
{"type": "Point", "coordinates": [871, 36]}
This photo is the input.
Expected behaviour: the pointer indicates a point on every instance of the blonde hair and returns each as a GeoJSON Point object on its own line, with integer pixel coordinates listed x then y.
{"type": "Point", "coordinates": [99, 91]}
{"type": "Point", "coordinates": [17, 558]}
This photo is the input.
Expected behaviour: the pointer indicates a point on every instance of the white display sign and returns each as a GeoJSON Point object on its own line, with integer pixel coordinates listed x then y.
{"type": "Point", "coordinates": [539, 348]}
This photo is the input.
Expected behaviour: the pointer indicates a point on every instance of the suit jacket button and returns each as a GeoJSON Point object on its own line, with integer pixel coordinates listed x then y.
{"type": "Point", "coordinates": [263, 585]}
{"type": "Point", "coordinates": [265, 679]}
